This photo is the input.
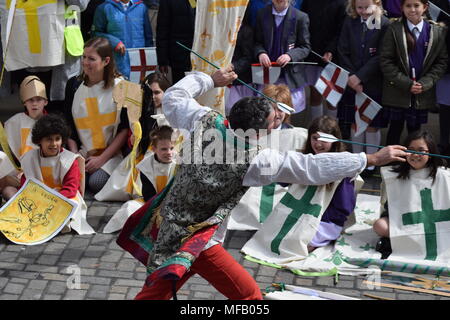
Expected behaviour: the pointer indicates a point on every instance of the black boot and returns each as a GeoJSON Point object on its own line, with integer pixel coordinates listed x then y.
{"type": "Point", "coordinates": [384, 247]}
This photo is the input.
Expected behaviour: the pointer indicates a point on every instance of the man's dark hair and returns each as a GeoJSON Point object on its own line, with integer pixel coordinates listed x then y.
{"type": "Point", "coordinates": [250, 113]}
{"type": "Point", "coordinates": [48, 125]}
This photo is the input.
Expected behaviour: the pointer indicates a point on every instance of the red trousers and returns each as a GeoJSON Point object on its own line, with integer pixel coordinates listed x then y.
{"type": "Point", "coordinates": [220, 269]}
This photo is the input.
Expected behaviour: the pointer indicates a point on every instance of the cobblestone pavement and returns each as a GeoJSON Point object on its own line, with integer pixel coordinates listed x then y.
{"type": "Point", "coordinates": [45, 272]}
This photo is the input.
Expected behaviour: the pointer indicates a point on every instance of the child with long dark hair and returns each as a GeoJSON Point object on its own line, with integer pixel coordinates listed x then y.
{"type": "Point", "coordinates": [421, 141]}
{"type": "Point", "coordinates": [344, 198]}
{"type": "Point", "coordinates": [413, 58]}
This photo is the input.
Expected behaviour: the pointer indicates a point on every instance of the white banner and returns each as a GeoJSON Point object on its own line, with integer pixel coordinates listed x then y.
{"type": "Point", "coordinates": [216, 27]}
{"type": "Point", "coordinates": [284, 236]}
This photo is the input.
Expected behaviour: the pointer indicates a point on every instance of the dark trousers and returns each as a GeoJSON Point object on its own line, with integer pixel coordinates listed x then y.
{"type": "Point", "coordinates": [395, 131]}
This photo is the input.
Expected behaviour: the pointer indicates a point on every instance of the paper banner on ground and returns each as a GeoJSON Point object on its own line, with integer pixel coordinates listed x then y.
{"type": "Point", "coordinates": [365, 111]}
{"type": "Point", "coordinates": [143, 62]}
{"type": "Point", "coordinates": [35, 214]}
{"type": "Point", "coordinates": [217, 24]}
{"type": "Point", "coordinates": [288, 230]}
{"type": "Point", "coordinates": [353, 253]}
{"type": "Point", "coordinates": [331, 83]}
{"type": "Point", "coordinates": [263, 75]}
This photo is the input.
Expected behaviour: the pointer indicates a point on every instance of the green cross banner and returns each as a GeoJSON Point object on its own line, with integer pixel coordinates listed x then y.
{"type": "Point", "coordinates": [419, 215]}
{"type": "Point", "coordinates": [259, 202]}
{"type": "Point", "coordinates": [286, 232]}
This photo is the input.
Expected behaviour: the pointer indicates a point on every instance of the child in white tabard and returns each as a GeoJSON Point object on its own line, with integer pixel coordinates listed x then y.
{"type": "Point", "coordinates": [56, 167]}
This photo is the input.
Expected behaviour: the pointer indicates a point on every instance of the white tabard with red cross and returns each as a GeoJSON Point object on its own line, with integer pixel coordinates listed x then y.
{"type": "Point", "coordinates": [96, 119]}
{"type": "Point", "coordinates": [37, 33]}
{"type": "Point", "coordinates": [419, 215]}
{"type": "Point", "coordinates": [284, 236]}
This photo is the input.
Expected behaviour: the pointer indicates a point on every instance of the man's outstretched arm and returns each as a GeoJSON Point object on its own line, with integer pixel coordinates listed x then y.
{"type": "Point", "coordinates": [308, 169]}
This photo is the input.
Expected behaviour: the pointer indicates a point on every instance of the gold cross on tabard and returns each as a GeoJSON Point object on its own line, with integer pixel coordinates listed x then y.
{"type": "Point", "coordinates": [30, 8]}
{"type": "Point", "coordinates": [49, 180]}
{"type": "Point", "coordinates": [24, 147]}
{"type": "Point", "coordinates": [96, 121]}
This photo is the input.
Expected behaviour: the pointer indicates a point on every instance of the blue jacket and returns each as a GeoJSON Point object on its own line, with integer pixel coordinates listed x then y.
{"type": "Point", "coordinates": [131, 27]}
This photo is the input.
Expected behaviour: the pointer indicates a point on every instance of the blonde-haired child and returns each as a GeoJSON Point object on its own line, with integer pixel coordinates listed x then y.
{"type": "Point", "coordinates": [359, 52]}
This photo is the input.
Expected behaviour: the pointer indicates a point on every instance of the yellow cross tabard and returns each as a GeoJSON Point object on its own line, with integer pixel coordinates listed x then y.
{"type": "Point", "coordinates": [30, 8]}
{"type": "Point", "coordinates": [161, 182]}
{"type": "Point", "coordinates": [49, 180]}
{"type": "Point", "coordinates": [24, 148]}
{"type": "Point", "coordinates": [96, 121]}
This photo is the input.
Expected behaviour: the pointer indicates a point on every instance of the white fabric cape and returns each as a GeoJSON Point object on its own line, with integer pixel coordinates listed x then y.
{"type": "Point", "coordinates": [115, 188]}
{"type": "Point", "coordinates": [152, 169]}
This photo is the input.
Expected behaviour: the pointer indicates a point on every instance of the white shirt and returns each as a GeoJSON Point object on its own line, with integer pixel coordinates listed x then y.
{"type": "Point", "coordinates": [179, 105]}
{"type": "Point", "coordinates": [417, 31]}
{"type": "Point", "coordinates": [307, 169]}
{"type": "Point", "coordinates": [126, 5]}
{"type": "Point", "coordinates": [279, 16]}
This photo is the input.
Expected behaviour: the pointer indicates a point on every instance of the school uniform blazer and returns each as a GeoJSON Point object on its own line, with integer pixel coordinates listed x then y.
{"type": "Point", "coordinates": [364, 62]}
{"type": "Point", "coordinates": [294, 40]}
{"type": "Point", "coordinates": [394, 64]}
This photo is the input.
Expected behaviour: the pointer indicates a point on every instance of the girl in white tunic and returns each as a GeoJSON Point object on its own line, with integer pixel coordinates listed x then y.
{"type": "Point", "coordinates": [415, 165]}
{"type": "Point", "coordinates": [100, 129]}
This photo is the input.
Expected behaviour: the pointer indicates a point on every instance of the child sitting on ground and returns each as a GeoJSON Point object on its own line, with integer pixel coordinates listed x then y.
{"type": "Point", "coordinates": [344, 199]}
{"type": "Point", "coordinates": [56, 167]}
{"type": "Point", "coordinates": [416, 164]}
{"type": "Point", "coordinates": [158, 164]}
{"type": "Point", "coordinates": [18, 127]}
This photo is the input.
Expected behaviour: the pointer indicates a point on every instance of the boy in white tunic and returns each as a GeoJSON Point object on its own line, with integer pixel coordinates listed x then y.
{"type": "Point", "coordinates": [18, 127]}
